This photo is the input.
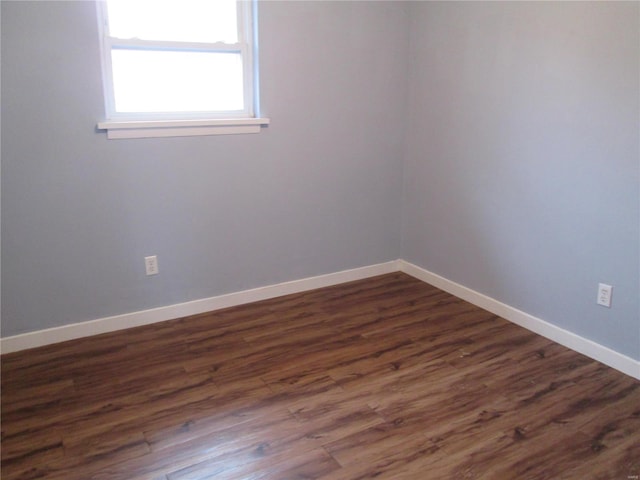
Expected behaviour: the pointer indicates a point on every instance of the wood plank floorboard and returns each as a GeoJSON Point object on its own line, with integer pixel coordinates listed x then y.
{"type": "Point", "coordinates": [385, 378]}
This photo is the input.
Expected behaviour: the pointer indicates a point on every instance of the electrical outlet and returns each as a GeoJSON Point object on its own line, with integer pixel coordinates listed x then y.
{"type": "Point", "coordinates": [604, 294]}
{"type": "Point", "coordinates": [151, 265]}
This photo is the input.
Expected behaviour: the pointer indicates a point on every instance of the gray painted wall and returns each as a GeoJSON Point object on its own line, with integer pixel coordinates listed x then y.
{"type": "Point", "coordinates": [319, 191]}
{"type": "Point", "coordinates": [521, 175]}
{"type": "Point", "coordinates": [522, 169]}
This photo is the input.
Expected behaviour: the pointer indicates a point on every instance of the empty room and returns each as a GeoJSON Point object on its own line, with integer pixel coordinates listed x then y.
{"type": "Point", "coordinates": [329, 240]}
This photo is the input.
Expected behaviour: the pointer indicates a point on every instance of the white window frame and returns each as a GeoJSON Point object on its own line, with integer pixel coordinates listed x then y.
{"type": "Point", "coordinates": [169, 124]}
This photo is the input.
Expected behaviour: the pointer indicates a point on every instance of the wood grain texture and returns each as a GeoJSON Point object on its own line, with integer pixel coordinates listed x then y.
{"type": "Point", "coordinates": [385, 378]}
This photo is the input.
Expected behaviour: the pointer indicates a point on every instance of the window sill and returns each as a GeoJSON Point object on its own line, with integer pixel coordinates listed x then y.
{"type": "Point", "coordinates": [181, 128]}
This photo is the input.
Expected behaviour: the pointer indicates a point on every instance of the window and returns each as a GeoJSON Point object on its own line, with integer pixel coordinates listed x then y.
{"type": "Point", "coordinates": [178, 67]}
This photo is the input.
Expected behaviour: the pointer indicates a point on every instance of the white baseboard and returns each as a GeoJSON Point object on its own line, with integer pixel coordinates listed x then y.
{"type": "Point", "coordinates": [145, 317]}
{"type": "Point", "coordinates": [570, 340]}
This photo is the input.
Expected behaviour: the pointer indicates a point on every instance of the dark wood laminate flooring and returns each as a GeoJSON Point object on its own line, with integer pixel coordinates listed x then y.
{"type": "Point", "coordinates": [385, 378]}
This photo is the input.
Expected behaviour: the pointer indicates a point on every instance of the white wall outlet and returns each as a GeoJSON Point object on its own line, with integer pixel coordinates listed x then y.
{"type": "Point", "coordinates": [151, 265]}
{"type": "Point", "coordinates": [604, 294]}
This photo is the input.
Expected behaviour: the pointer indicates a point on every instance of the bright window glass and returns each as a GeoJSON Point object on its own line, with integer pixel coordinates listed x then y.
{"type": "Point", "coordinates": [168, 59]}
{"type": "Point", "coordinates": [169, 81]}
{"type": "Point", "coordinates": [206, 21]}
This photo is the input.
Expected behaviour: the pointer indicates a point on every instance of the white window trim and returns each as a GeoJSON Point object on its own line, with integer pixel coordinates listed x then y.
{"type": "Point", "coordinates": [181, 128]}
{"type": "Point", "coordinates": [144, 125]}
